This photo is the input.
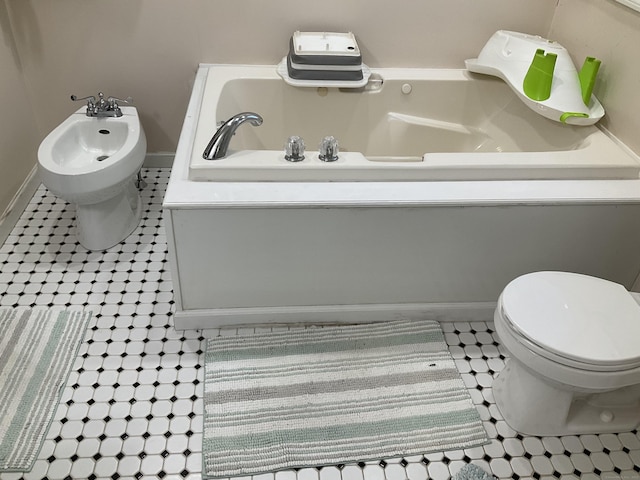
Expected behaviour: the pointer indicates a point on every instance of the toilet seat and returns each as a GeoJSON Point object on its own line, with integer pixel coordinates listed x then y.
{"type": "Point", "coordinates": [575, 320]}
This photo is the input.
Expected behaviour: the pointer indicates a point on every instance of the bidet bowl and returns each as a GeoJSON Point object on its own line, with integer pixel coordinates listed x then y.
{"type": "Point", "coordinates": [88, 160]}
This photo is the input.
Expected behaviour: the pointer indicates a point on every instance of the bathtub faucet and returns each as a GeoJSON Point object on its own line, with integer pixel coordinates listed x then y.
{"type": "Point", "coordinates": [217, 147]}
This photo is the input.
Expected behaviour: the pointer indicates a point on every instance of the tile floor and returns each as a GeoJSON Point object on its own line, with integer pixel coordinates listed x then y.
{"type": "Point", "coordinates": [132, 406]}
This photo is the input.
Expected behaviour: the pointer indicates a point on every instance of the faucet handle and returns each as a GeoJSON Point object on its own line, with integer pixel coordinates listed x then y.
{"type": "Point", "coordinates": [90, 98]}
{"type": "Point", "coordinates": [113, 100]}
{"type": "Point", "coordinates": [328, 149]}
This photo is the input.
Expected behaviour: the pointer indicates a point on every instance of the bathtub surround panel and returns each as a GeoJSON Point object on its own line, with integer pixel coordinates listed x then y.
{"type": "Point", "coordinates": [330, 396]}
{"type": "Point", "coordinates": [245, 265]}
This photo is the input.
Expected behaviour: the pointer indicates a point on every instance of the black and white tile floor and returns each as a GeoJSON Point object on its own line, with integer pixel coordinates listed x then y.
{"type": "Point", "coordinates": [132, 406]}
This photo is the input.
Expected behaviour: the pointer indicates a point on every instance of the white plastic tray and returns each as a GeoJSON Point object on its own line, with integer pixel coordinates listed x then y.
{"type": "Point", "coordinates": [325, 44]}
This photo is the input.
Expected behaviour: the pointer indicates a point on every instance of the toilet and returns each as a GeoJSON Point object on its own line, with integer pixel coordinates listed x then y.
{"type": "Point", "coordinates": [574, 345]}
{"type": "Point", "coordinates": [92, 163]}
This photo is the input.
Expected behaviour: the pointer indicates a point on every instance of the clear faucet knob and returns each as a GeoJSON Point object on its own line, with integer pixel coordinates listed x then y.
{"type": "Point", "coordinates": [294, 149]}
{"type": "Point", "coordinates": [329, 149]}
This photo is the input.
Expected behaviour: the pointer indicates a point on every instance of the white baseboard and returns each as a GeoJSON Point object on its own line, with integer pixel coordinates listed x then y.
{"type": "Point", "coordinates": [159, 160]}
{"type": "Point", "coordinates": [18, 203]}
{"type": "Point", "coordinates": [210, 319]}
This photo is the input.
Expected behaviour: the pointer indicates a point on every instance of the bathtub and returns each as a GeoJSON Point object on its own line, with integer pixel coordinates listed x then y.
{"type": "Point", "coordinates": [406, 125]}
{"type": "Point", "coordinates": [444, 191]}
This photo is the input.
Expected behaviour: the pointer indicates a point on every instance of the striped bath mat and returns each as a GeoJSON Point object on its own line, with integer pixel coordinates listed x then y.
{"type": "Point", "coordinates": [37, 351]}
{"type": "Point", "coordinates": [332, 395]}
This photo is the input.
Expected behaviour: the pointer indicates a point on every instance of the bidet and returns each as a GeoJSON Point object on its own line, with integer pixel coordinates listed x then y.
{"type": "Point", "coordinates": [92, 163]}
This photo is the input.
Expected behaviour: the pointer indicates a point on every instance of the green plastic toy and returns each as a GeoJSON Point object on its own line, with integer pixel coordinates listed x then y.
{"type": "Point", "coordinates": [587, 76]}
{"type": "Point", "coordinates": [537, 82]}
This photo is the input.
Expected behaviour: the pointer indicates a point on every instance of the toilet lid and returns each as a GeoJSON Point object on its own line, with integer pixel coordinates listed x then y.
{"type": "Point", "coordinates": [578, 317]}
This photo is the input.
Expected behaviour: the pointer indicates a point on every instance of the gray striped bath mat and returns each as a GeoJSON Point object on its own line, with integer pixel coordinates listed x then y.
{"type": "Point", "coordinates": [332, 395]}
{"type": "Point", "coordinates": [37, 351]}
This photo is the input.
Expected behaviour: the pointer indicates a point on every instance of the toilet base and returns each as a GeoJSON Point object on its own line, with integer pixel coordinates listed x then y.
{"type": "Point", "coordinates": [105, 224]}
{"type": "Point", "coordinates": [532, 406]}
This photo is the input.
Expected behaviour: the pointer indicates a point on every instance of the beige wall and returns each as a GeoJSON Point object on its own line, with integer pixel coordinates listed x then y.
{"type": "Point", "coordinates": [18, 133]}
{"type": "Point", "coordinates": [611, 32]}
{"type": "Point", "coordinates": [150, 49]}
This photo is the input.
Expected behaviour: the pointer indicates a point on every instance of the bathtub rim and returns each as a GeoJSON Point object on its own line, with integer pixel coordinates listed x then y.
{"type": "Point", "coordinates": [185, 193]}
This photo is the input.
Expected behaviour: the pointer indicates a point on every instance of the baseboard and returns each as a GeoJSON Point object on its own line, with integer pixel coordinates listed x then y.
{"type": "Point", "coordinates": [18, 204]}
{"type": "Point", "coordinates": [210, 319]}
{"type": "Point", "coordinates": [159, 160]}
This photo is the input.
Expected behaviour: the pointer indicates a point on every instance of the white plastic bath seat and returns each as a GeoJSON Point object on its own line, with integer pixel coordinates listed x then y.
{"type": "Point", "coordinates": [509, 55]}
{"type": "Point", "coordinates": [575, 355]}
{"type": "Point", "coordinates": [92, 163]}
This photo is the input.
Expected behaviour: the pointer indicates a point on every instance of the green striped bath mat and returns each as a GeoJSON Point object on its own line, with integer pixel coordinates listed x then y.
{"type": "Point", "coordinates": [37, 351]}
{"type": "Point", "coordinates": [332, 395]}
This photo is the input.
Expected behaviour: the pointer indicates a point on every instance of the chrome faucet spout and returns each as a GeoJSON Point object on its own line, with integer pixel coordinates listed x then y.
{"type": "Point", "coordinates": [217, 147]}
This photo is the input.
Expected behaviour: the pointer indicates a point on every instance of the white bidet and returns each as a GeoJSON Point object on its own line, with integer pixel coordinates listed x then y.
{"type": "Point", "coordinates": [92, 162]}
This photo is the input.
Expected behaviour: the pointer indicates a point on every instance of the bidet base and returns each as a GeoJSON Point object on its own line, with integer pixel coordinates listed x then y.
{"type": "Point", "coordinates": [105, 224]}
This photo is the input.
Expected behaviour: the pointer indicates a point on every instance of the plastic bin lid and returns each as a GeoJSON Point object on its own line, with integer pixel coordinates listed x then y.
{"type": "Point", "coordinates": [325, 43]}
{"type": "Point", "coordinates": [324, 48]}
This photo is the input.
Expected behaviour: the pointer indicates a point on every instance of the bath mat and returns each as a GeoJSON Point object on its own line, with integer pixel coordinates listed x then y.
{"type": "Point", "coordinates": [332, 395]}
{"type": "Point", "coordinates": [37, 351]}
{"type": "Point", "coordinates": [472, 472]}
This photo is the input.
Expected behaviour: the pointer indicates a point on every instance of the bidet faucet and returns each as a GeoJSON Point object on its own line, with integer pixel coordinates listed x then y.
{"type": "Point", "coordinates": [102, 107]}
{"type": "Point", "coordinates": [217, 147]}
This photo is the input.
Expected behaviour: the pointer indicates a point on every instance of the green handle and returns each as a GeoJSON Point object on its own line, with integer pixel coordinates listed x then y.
{"type": "Point", "coordinates": [587, 77]}
{"type": "Point", "coordinates": [567, 115]}
{"type": "Point", "coordinates": [537, 82]}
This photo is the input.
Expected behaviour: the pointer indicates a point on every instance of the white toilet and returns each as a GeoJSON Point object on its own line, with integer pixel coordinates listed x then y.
{"type": "Point", "coordinates": [92, 163]}
{"type": "Point", "coordinates": [574, 342]}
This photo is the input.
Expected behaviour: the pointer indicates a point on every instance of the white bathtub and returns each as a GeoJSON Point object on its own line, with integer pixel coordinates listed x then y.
{"type": "Point", "coordinates": [408, 125]}
{"type": "Point", "coordinates": [255, 252]}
